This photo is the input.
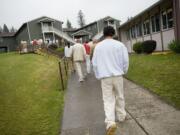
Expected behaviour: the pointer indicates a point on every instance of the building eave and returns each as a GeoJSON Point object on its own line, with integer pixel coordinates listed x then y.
{"type": "Point", "coordinates": [141, 13]}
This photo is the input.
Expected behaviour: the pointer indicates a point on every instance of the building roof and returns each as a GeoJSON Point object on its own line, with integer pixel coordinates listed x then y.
{"type": "Point", "coordinates": [11, 34]}
{"type": "Point", "coordinates": [105, 19]}
{"type": "Point", "coordinates": [42, 18]}
{"type": "Point", "coordinates": [81, 33]}
{"type": "Point", "coordinates": [141, 13]}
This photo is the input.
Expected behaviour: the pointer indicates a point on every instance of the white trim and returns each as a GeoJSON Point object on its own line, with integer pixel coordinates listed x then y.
{"type": "Point", "coordinates": [43, 32]}
{"type": "Point", "coordinates": [54, 40]}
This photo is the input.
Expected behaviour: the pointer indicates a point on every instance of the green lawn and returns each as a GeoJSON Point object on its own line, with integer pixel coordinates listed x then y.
{"type": "Point", "coordinates": [159, 73]}
{"type": "Point", "coordinates": [30, 100]}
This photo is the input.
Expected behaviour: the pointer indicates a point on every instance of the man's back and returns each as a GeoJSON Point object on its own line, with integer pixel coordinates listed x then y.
{"type": "Point", "coordinates": [68, 51]}
{"type": "Point", "coordinates": [110, 59]}
{"type": "Point", "coordinates": [78, 52]}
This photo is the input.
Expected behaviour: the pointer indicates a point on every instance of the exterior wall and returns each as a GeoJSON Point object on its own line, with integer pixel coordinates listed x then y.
{"type": "Point", "coordinates": [101, 25]}
{"type": "Point", "coordinates": [133, 41]}
{"type": "Point", "coordinates": [35, 30]}
{"type": "Point", "coordinates": [92, 29]}
{"type": "Point", "coordinates": [168, 36]}
{"type": "Point", "coordinates": [157, 38]}
{"type": "Point", "coordinates": [58, 25]}
{"type": "Point", "coordinates": [148, 37]}
{"type": "Point", "coordinates": [162, 37]}
{"type": "Point", "coordinates": [128, 45]}
{"type": "Point", "coordinates": [9, 42]}
{"type": "Point", "coordinates": [22, 35]}
{"type": "Point", "coordinates": [139, 39]}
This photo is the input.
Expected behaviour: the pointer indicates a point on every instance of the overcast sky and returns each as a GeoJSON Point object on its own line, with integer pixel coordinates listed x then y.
{"type": "Point", "coordinates": [16, 12]}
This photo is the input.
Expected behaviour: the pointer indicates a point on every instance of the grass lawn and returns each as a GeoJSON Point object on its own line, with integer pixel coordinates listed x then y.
{"type": "Point", "coordinates": [30, 100]}
{"type": "Point", "coordinates": [159, 73]}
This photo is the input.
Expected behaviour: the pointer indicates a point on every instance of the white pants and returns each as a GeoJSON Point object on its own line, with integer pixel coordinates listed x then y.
{"type": "Point", "coordinates": [113, 97]}
{"type": "Point", "coordinates": [88, 64]}
{"type": "Point", "coordinates": [79, 70]}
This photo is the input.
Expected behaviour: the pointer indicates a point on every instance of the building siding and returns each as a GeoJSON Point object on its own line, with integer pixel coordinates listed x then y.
{"type": "Point", "coordinates": [9, 42]}
{"type": "Point", "coordinates": [35, 30]}
{"type": "Point", "coordinates": [22, 35]}
{"type": "Point", "coordinates": [162, 36]}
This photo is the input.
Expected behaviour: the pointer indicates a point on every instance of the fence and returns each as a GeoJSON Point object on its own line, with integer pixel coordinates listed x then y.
{"type": "Point", "coordinates": [65, 67]}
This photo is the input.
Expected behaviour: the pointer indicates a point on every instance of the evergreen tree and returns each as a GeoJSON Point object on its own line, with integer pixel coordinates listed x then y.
{"type": "Point", "coordinates": [1, 30]}
{"type": "Point", "coordinates": [68, 24]}
{"type": "Point", "coordinates": [81, 18]}
{"type": "Point", "coordinates": [5, 29]}
{"type": "Point", "coordinates": [12, 29]}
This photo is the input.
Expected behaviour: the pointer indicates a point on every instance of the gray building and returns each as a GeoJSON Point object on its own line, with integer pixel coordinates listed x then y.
{"type": "Point", "coordinates": [159, 22]}
{"type": "Point", "coordinates": [7, 42]}
{"type": "Point", "coordinates": [94, 30]}
{"type": "Point", "coordinates": [45, 28]}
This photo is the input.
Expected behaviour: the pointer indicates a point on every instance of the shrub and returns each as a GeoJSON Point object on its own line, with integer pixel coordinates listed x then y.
{"type": "Point", "coordinates": [53, 46]}
{"type": "Point", "coordinates": [61, 49]}
{"type": "Point", "coordinates": [148, 46]}
{"type": "Point", "coordinates": [174, 46]}
{"type": "Point", "coordinates": [137, 47]}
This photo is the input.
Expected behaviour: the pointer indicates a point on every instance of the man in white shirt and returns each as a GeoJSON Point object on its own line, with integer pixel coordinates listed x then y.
{"type": "Point", "coordinates": [68, 51]}
{"type": "Point", "coordinates": [68, 55]}
{"type": "Point", "coordinates": [110, 62]}
{"type": "Point", "coordinates": [79, 55]}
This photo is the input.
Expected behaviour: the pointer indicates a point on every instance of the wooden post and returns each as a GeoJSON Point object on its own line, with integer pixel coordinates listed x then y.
{"type": "Point", "coordinates": [61, 76]}
{"type": "Point", "coordinates": [65, 67]}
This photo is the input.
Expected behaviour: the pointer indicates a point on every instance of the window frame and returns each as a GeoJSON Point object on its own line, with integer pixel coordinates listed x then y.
{"type": "Point", "coordinates": [165, 13]}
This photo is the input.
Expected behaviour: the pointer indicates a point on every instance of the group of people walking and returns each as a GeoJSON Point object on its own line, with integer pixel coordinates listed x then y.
{"type": "Point", "coordinates": [110, 62]}
{"type": "Point", "coordinates": [81, 56]}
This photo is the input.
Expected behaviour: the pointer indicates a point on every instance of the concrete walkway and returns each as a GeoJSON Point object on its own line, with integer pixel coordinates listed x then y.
{"type": "Point", "coordinates": [147, 115]}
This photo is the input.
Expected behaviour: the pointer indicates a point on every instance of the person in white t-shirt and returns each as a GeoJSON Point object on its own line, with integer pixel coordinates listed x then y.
{"type": "Point", "coordinates": [68, 51]}
{"type": "Point", "coordinates": [110, 61]}
{"type": "Point", "coordinates": [68, 55]}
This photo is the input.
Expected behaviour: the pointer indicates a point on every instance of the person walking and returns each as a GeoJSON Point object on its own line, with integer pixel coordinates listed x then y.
{"type": "Point", "coordinates": [110, 63]}
{"type": "Point", "coordinates": [79, 55]}
{"type": "Point", "coordinates": [88, 62]}
{"type": "Point", "coordinates": [68, 56]}
{"type": "Point", "coordinates": [68, 51]}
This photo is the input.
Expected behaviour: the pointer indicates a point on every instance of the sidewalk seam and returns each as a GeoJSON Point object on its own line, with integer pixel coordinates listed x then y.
{"type": "Point", "coordinates": [138, 123]}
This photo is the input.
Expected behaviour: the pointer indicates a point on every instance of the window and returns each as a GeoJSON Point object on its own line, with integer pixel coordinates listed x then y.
{"type": "Point", "coordinates": [139, 29]}
{"type": "Point", "coordinates": [133, 32]}
{"type": "Point", "coordinates": [146, 27]}
{"type": "Point", "coordinates": [111, 22]}
{"type": "Point", "coordinates": [155, 23]}
{"type": "Point", "coordinates": [128, 34]}
{"type": "Point", "coordinates": [164, 20]}
{"type": "Point", "coordinates": [88, 28]}
{"type": "Point", "coordinates": [167, 19]}
{"type": "Point", "coordinates": [1, 40]}
{"type": "Point", "coordinates": [170, 18]}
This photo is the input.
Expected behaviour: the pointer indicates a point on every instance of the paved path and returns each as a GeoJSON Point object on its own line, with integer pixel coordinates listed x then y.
{"type": "Point", "coordinates": [147, 115]}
